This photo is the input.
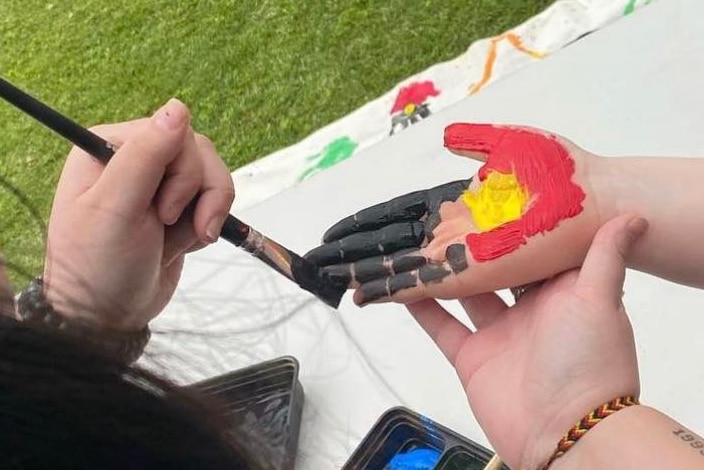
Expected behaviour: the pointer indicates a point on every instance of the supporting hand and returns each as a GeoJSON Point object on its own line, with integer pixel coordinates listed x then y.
{"type": "Point", "coordinates": [532, 370]}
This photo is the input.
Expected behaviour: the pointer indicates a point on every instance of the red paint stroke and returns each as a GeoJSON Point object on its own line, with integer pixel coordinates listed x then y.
{"type": "Point", "coordinates": [415, 93]}
{"type": "Point", "coordinates": [541, 164]}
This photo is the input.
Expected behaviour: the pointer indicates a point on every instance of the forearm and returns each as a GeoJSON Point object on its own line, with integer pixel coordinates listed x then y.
{"type": "Point", "coordinates": [669, 193]}
{"type": "Point", "coordinates": [637, 437]}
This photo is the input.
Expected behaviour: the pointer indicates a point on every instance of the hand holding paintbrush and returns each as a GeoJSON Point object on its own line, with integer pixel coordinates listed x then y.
{"type": "Point", "coordinates": [117, 235]}
{"type": "Point", "coordinates": [118, 232]}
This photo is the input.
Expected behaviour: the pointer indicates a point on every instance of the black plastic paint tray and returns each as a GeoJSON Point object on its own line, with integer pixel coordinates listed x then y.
{"type": "Point", "coordinates": [264, 403]}
{"type": "Point", "coordinates": [401, 431]}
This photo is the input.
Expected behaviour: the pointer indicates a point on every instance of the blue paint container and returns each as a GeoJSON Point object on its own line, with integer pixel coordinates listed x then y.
{"type": "Point", "coordinates": [416, 459]}
{"type": "Point", "coordinates": [405, 440]}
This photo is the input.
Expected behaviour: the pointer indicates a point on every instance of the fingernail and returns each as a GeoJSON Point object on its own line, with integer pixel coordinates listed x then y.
{"type": "Point", "coordinates": [637, 226]}
{"type": "Point", "coordinates": [172, 213]}
{"type": "Point", "coordinates": [372, 292]}
{"type": "Point", "coordinates": [172, 115]}
{"type": "Point", "coordinates": [213, 229]}
{"type": "Point", "coordinates": [366, 302]}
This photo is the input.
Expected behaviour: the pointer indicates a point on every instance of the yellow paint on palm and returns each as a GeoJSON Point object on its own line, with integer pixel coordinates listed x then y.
{"type": "Point", "coordinates": [499, 199]}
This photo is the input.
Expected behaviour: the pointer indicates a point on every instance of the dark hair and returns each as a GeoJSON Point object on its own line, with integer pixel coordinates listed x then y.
{"type": "Point", "coordinates": [65, 406]}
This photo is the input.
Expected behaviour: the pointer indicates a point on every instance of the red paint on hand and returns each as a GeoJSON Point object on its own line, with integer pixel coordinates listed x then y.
{"type": "Point", "coordinates": [414, 93]}
{"type": "Point", "coordinates": [541, 164]}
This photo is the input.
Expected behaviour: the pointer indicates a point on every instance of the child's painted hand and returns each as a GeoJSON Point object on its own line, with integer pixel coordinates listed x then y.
{"type": "Point", "coordinates": [528, 214]}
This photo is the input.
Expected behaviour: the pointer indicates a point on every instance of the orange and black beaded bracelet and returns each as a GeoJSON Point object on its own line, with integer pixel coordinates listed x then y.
{"type": "Point", "coordinates": [588, 422]}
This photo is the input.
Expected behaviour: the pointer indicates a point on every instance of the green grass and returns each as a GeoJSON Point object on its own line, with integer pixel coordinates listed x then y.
{"type": "Point", "coordinates": [257, 75]}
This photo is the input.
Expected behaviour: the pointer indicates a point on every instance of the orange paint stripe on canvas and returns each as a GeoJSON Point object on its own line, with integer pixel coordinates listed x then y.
{"type": "Point", "coordinates": [516, 42]}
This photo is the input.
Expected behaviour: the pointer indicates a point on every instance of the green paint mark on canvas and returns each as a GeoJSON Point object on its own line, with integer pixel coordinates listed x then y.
{"type": "Point", "coordinates": [631, 6]}
{"type": "Point", "coordinates": [332, 154]}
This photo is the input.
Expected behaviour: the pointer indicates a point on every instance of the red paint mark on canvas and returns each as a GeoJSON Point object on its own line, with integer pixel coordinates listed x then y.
{"type": "Point", "coordinates": [414, 93]}
{"type": "Point", "coordinates": [541, 164]}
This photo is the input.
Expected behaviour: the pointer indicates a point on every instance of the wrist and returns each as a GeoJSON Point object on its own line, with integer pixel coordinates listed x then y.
{"type": "Point", "coordinates": [569, 417]}
{"type": "Point", "coordinates": [606, 182]}
{"type": "Point", "coordinates": [568, 451]}
{"type": "Point", "coordinates": [124, 345]}
{"type": "Point", "coordinates": [586, 452]}
{"type": "Point", "coordinates": [635, 437]}
{"type": "Point", "coordinates": [74, 301]}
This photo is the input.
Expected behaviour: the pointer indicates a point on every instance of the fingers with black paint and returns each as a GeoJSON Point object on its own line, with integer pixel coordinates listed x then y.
{"type": "Point", "coordinates": [412, 279]}
{"type": "Point", "coordinates": [404, 208]}
{"type": "Point", "coordinates": [384, 289]}
{"type": "Point", "coordinates": [381, 267]}
{"type": "Point", "coordinates": [357, 246]}
{"type": "Point", "coordinates": [370, 269]}
{"type": "Point", "coordinates": [403, 222]}
{"type": "Point", "coordinates": [411, 206]}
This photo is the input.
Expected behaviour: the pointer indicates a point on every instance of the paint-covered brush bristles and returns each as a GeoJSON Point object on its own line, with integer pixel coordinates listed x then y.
{"type": "Point", "coordinates": [308, 276]}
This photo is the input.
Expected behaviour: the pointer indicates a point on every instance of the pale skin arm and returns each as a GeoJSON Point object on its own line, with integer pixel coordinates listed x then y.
{"type": "Point", "coordinates": [637, 437]}
{"type": "Point", "coordinates": [669, 193]}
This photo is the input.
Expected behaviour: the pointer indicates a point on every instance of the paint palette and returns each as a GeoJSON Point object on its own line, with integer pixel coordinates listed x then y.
{"type": "Point", "coordinates": [264, 404]}
{"type": "Point", "coordinates": [404, 440]}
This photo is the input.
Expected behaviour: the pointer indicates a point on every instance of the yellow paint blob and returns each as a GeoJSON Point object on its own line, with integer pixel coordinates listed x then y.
{"type": "Point", "coordinates": [499, 199]}
{"type": "Point", "coordinates": [409, 109]}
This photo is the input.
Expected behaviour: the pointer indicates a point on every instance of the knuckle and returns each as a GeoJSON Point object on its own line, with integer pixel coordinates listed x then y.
{"type": "Point", "coordinates": [228, 193]}
{"type": "Point", "coordinates": [181, 186]}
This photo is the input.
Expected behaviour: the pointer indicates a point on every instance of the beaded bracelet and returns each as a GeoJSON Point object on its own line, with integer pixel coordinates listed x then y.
{"type": "Point", "coordinates": [585, 424]}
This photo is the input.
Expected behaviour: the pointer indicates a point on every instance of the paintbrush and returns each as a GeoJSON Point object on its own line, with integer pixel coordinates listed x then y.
{"type": "Point", "coordinates": [308, 276]}
{"type": "Point", "coordinates": [494, 464]}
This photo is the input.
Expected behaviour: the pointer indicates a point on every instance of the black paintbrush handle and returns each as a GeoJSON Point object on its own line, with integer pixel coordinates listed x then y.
{"type": "Point", "coordinates": [79, 136]}
{"type": "Point", "coordinates": [234, 230]}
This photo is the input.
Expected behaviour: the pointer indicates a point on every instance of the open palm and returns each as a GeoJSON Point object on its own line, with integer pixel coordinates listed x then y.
{"type": "Point", "coordinates": [532, 370]}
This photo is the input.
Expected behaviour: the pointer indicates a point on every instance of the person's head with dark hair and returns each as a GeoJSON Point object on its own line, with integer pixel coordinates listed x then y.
{"type": "Point", "coordinates": [63, 405]}
{"type": "Point", "coordinates": [69, 394]}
